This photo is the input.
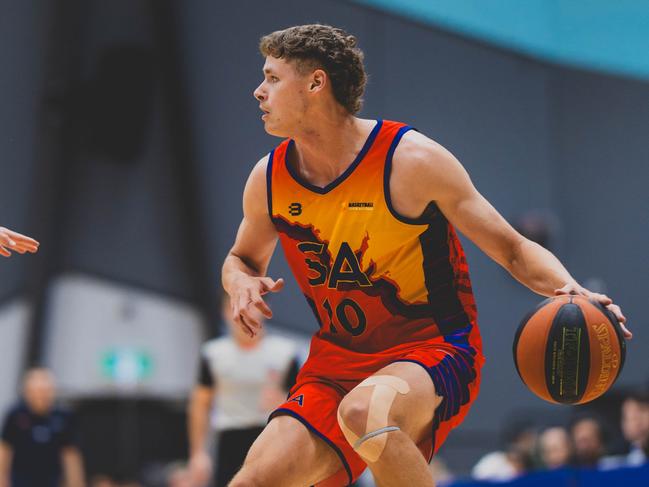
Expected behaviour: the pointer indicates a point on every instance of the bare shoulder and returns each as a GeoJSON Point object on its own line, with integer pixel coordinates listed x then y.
{"type": "Point", "coordinates": [422, 171]}
{"type": "Point", "coordinates": [418, 156]}
{"type": "Point", "coordinates": [254, 195]}
{"type": "Point", "coordinates": [257, 178]}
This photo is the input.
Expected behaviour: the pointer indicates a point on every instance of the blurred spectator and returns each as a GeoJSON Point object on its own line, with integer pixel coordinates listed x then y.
{"type": "Point", "coordinates": [246, 377]}
{"type": "Point", "coordinates": [589, 440]}
{"type": "Point", "coordinates": [39, 439]}
{"type": "Point", "coordinates": [635, 427]}
{"type": "Point", "coordinates": [517, 457]}
{"type": "Point", "coordinates": [440, 471]}
{"type": "Point", "coordinates": [555, 448]}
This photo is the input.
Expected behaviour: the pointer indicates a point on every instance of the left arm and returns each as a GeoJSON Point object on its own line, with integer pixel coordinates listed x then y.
{"type": "Point", "coordinates": [425, 171]}
{"type": "Point", "coordinates": [72, 467]}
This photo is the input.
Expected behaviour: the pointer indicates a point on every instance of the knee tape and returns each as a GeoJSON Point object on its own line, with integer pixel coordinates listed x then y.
{"type": "Point", "coordinates": [372, 443]}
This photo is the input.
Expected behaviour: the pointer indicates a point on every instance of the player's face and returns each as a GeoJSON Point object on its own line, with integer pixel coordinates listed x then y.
{"type": "Point", "coordinates": [282, 97]}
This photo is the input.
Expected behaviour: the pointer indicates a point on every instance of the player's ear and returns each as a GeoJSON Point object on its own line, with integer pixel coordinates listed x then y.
{"type": "Point", "coordinates": [318, 81]}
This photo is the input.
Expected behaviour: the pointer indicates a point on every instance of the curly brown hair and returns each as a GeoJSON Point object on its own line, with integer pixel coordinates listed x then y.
{"type": "Point", "coordinates": [316, 46]}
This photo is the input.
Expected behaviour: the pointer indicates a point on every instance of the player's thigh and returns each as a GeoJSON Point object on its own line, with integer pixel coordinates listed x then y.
{"type": "Point", "coordinates": [287, 454]}
{"type": "Point", "coordinates": [411, 407]}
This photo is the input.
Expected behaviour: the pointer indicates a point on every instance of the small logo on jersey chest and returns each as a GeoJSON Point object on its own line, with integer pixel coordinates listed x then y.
{"type": "Point", "coordinates": [295, 209]}
{"type": "Point", "coordinates": [360, 205]}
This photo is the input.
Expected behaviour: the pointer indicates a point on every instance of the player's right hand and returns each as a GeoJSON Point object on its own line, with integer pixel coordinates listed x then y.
{"type": "Point", "coordinates": [246, 296]}
{"type": "Point", "coordinates": [16, 242]}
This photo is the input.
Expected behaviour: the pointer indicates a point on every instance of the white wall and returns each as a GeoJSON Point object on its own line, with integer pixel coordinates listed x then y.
{"type": "Point", "coordinates": [93, 323]}
{"type": "Point", "coordinates": [14, 320]}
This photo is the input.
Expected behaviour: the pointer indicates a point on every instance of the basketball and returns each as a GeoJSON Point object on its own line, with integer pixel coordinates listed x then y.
{"type": "Point", "coordinates": [569, 350]}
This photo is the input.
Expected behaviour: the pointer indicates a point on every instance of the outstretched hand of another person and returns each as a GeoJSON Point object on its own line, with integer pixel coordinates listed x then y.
{"type": "Point", "coordinates": [11, 241]}
{"type": "Point", "coordinates": [246, 296]}
{"type": "Point", "coordinates": [603, 299]}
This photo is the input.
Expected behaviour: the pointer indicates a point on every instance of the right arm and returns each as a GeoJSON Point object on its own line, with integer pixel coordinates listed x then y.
{"type": "Point", "coordinates": [198, 424]}
{"type": "Point", "coordinates": [6, 455]}
{"type": "Point", "coordinates": [244, 270]}
{"type": "Point", "coordinates": [199, 409]}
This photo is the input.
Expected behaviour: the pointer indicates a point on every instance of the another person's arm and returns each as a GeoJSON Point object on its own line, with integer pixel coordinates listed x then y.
{"type": "Point", "coordinates": [6, 455]}
{"type": "Point", "coordinates": [7, 442]}
{"type": "Point", "coordinates": [11, 241]}
{"type": "Point", "coordinates": [244, 270]}
{"type": "Point", "coordinates": [72, 467]}
{"type": "Point", "coordinates": [198, 426]}
{"type": "Point", "coordinates": [425, 171]}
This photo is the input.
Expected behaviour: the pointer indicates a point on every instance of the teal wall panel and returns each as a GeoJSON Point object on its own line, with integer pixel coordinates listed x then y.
{"type": "Point", "coordinates": [597, 34]}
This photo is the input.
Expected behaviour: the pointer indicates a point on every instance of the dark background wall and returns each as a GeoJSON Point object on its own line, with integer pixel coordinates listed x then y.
{"type": "Point", "coordinates": [23, 30]}
{"type": "Point", "coordinates": [533, 136]}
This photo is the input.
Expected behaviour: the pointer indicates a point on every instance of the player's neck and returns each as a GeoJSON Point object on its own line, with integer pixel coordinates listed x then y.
{"type": "Point", "coordinates": [328, 145]}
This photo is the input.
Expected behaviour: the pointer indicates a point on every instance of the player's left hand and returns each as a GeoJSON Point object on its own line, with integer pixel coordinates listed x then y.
{"type": "Point", "coordinates": [11, 241]}
{"type": "Point", "coordinates": [603, 299]}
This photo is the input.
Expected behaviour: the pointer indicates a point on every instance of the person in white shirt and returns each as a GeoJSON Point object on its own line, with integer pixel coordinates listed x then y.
{"type": "Point", "coordinates": [242, 380]}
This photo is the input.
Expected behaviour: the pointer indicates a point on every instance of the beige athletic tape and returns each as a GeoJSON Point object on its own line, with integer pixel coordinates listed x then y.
{"type": "Point", "coordinates": [372, 443]}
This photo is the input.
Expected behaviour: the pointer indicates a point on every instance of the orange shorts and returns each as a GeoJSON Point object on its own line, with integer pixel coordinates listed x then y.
{"type": "Point", "coordinates": [454, 368]}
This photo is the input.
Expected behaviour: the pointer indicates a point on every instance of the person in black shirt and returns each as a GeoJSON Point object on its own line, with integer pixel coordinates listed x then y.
{"type": "Point", "coordinates": [38, 442]}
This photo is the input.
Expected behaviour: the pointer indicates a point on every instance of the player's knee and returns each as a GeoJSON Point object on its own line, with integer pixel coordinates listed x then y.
{"type": "Point", "coordinates": [352, 416]}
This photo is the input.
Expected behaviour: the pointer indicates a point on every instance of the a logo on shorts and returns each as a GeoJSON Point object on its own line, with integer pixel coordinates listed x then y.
{"type": "Point", "coordinates": [298, 399]}
{"type": "Point", "coordinates": [295, 209]}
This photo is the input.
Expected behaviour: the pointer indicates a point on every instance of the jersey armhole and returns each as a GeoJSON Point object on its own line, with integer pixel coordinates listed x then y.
{"type": "Point", "coordinates": [387, 171]}
{"type": "Point", "coordinates": [269, 184]}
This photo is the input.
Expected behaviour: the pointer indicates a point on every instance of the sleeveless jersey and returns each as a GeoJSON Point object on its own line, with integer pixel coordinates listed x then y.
{"type": "Point", "coordinates": [374, 279]}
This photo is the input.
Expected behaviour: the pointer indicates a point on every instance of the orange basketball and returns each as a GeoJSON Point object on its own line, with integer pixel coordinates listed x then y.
{"type": "Point", "coordinates": [569, 350]}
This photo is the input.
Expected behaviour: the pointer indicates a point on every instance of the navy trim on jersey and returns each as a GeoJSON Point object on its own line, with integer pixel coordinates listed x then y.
{"type": "Point", "coordinates": [343, 176]}
{"type": "Point", "coordinates": [310, 427]}
{"type": "Point", "coordinates": [443, 286]}
{"type": "Point", "coordinates": [386, 180]}
{"type": "Point", "coordinates": [269, 183]}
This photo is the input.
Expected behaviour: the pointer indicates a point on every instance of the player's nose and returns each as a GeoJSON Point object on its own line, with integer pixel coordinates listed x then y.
{"type": "Point", "coordinates": [258, 93]}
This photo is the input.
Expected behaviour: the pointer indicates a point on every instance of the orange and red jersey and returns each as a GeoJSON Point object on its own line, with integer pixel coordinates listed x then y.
{"type": "Point", "coordinates": [378, 283]}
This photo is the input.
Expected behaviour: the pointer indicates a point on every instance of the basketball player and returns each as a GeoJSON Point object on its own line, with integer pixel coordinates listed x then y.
{"type": "Point", "coordinates": [14, 241]}
{"type": "Point", "coordinates": [365, 211]}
